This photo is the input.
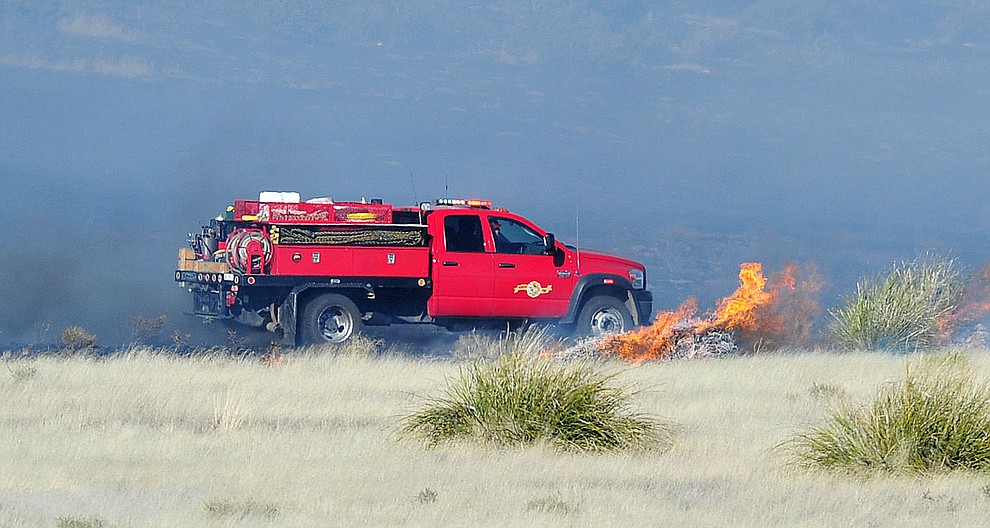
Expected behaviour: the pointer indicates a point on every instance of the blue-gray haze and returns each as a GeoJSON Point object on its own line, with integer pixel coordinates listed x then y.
{"type": "Point", "coordinates": [689, 135]}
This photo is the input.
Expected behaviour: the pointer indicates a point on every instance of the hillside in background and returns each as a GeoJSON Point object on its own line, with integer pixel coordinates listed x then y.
{"type": "Point", "coordinates": [692, 136]}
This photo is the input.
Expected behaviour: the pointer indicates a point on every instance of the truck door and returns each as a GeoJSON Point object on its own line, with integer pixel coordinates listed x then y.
{"type": "Point", "coordinates": [528, 282]}
{"type": "Point", "coordinates": [463, 278]}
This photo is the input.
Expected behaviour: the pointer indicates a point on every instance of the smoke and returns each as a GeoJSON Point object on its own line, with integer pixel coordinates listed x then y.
{"type": "Point", "coordinates": [794, 313]}
{"type": "Point", "coordinates": [691, 143]}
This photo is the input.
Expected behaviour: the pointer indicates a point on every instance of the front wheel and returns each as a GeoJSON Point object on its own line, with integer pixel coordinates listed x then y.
{"type": "Point", "coordinates": [330, 318]}
{"type": "Point", "coordinates": [604, 315]}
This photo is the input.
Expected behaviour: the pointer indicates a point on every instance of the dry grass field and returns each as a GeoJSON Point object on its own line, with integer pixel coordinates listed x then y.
{"type": "Point", "coordinates": [149, 438]}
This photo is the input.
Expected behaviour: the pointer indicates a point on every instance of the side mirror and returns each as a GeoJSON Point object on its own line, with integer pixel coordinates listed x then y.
{"type": "Point", "coordinates": [549, 244]}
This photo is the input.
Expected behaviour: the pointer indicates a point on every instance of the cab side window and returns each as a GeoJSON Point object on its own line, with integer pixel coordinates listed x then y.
{"type": "Point", "coordinates": [462, 233]}
{"type": "Point", "coordinates": [514, 237]}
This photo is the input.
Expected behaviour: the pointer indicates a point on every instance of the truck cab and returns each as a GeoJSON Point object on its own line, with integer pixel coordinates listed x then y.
{"type": "Point", "coordinates": [497, 264]}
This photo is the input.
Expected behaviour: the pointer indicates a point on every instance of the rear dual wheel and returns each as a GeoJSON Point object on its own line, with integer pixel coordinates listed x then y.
{"type": "Point", "coordinates": [330, 318]}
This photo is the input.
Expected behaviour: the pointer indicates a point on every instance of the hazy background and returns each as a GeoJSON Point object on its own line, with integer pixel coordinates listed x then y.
{"type": "Point", "coordinates": [689, 135]}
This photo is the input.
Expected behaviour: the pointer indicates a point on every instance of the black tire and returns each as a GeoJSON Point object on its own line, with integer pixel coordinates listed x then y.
{"type": "Point", "coordinates": [603, 315]}
{"type": "Point", "coordinates": [329, 318]}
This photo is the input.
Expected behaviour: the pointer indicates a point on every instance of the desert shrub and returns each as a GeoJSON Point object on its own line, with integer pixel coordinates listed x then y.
{"type": "Point", "coordinates": [906, 309]}
{"type": "Point", "coordinates": [22, 372]}
{"type": "Point", "coordinates": [426, 496]}
{"type": "Point", "coordinates": [80, 522]}
{"type": "Point", "coordinates": [523, 398]}
{"type": "Point", "coordinates": [551, 504]}
{"type": "Point", "coordinates": [143, 329]}
{"type": "Point", "coordinates": [936, 419]}
{"type": "Point", "coordinates": [239, 509]}
{"type": "Point", "coordinates": [76, 338]}
{"type": "Point", "coordinates": [274, 356]}
{"type": "Point", "coordinates": [238, 342]}
{"type": "Point", "coordinates": [180, 340]}
{"type": "Point", "coordinates": [825, 391]}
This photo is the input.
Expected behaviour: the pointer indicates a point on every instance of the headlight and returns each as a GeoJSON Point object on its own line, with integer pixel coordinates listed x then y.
{"type": "Point", "coordinates": [637, 278]}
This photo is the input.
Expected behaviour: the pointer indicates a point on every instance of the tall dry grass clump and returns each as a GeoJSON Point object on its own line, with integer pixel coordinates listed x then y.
{"type": "Point", "coordinates": [524, 398]}
{"type": "Point", "coordinates": [906, 309]}
{"type": "Point", "coordinates": [937, 419]}
{"type": "Point", "coordinates": [359, 346]}
{"type": "Point", "coordinates": [482, 346]}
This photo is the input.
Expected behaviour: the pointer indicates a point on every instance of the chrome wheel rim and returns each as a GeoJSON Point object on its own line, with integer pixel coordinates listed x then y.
{"type": "Point", "coordinates": [335, 324]}
{"type": "Point", "coordinates": [606, 321]}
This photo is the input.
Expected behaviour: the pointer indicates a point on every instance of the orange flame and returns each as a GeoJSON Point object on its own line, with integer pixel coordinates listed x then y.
{"type": "Point", "coordinates": [738, 309]}
{"type": "Point", "coordinates": [973, 306]}
{"type": "Point", "coordinates": [658, 340]}
{"type": "Point", "coordinates": [652, 342]}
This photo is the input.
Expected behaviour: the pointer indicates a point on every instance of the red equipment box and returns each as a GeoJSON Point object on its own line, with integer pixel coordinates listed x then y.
{"type": "Point", "coordinates": [312, 213]}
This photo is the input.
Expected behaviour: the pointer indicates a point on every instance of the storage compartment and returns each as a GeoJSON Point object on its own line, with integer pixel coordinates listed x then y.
{"type": "Point", "coordinates": [337, 261]}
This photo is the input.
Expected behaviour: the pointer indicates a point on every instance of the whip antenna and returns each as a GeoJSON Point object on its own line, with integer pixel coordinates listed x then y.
{"type": "Point", "coordinates": [577, 235]}
{"type": "Point", "coordinates": [413, 180]}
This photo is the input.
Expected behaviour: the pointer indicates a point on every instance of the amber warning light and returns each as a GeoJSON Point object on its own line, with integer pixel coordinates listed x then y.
{"type": "Point", "coordinates": [468, 202]}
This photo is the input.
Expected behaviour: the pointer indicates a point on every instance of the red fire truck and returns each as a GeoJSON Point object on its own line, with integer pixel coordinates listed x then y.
{"type": "Point", "coordinates": [319, 270]}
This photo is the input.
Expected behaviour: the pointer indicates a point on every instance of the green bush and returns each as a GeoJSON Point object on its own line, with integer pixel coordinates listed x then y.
{"type": "Point", "coordinates": [523, 398]}
{"type": "Point", "coordinates": [906, 309]}
{"type": "Point", "coordinates": [936, 419]}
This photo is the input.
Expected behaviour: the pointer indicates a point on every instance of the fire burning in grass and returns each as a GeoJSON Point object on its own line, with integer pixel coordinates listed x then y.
{"type": "Point", "coordinates": [782, 311]}
{"type": "Point", "coordinates": [973, 305]}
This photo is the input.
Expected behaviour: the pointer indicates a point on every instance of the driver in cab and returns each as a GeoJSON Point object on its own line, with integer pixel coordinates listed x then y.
{"type": "Point", "coordinates": [502, 244]}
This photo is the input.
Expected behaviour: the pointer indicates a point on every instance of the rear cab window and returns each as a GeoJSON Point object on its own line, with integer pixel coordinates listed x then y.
{"type": "Point", "coordinates": [462, 234]}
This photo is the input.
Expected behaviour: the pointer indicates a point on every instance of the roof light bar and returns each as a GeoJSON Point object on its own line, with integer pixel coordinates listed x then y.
{"type": "Point", "coordinates": [468, 202]}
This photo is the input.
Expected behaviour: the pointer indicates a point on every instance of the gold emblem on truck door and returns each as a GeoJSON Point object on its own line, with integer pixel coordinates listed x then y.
{"type": "Point", "coordinates": [534, 289]}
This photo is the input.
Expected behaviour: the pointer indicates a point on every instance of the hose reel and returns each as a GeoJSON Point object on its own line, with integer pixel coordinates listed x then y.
{"type": "Point", "coordinates": [249, 251]}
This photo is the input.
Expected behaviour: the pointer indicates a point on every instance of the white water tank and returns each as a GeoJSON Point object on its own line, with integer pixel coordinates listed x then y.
{"type": "Point", "coordinates": [279, 197]}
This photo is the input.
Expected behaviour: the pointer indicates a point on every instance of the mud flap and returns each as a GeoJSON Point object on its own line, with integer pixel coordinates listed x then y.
{"type": "Point", "coordinates": [633, 309]}
{"type": "Point", "coordinates": [640, 304]}
{"type": "Point", "coordinates": [287, 320]}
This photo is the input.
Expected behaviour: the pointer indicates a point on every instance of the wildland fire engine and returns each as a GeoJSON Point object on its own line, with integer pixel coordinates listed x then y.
{"type": "Point", "coordinates": [320, 270]}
